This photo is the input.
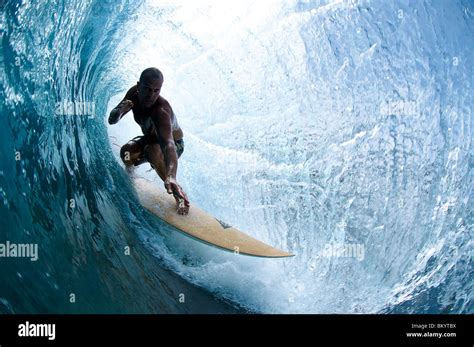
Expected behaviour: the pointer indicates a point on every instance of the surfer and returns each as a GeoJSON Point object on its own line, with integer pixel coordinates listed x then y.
{"type": "Point", "coordinates": [162, 142]}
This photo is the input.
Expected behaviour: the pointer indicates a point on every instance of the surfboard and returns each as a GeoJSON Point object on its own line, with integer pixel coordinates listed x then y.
{"type": "Point", "coordinates": [200, 225]}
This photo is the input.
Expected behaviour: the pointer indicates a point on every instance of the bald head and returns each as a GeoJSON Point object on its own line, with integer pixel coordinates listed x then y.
{"type": "Point", "coordinates": [151, 74]}
{"type": "Point", "coordinates": [149, 86]}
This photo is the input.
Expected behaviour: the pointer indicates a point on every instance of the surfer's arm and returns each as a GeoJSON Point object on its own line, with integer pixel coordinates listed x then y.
{"type": "Point", "coordinates": [124, 106]}
{"type": "Point", "coordinates": [120, 110]}
{"type": "Point", "coordinates": [162, 120]}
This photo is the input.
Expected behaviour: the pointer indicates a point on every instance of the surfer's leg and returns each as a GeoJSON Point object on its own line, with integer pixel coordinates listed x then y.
{"type": "Point", "coordinates": [155, 157]}
{"type": "Point", "coordinates": [132, 152]}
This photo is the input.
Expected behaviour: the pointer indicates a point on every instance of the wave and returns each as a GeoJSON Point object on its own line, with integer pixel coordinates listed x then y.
{"type": "Point", "coordinates": [340, 131]}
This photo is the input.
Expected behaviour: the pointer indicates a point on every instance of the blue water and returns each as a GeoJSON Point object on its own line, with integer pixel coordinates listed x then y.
{"type": "Point", "coordinates": [315, 126]}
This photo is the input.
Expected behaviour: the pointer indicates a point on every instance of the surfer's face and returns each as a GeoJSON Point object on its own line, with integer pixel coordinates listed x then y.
{"type": "Point", "coordinates": [149, 91]}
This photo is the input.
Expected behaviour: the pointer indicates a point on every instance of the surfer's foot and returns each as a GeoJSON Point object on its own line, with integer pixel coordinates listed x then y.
{"type": "Point", "coordinates": [181, 206]}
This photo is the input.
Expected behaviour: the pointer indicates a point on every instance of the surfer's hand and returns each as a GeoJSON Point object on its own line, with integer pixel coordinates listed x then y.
{"type": "Point", "coordinates": [125, 106]}
{"type": "Point", "coordinates": [182, 201]}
